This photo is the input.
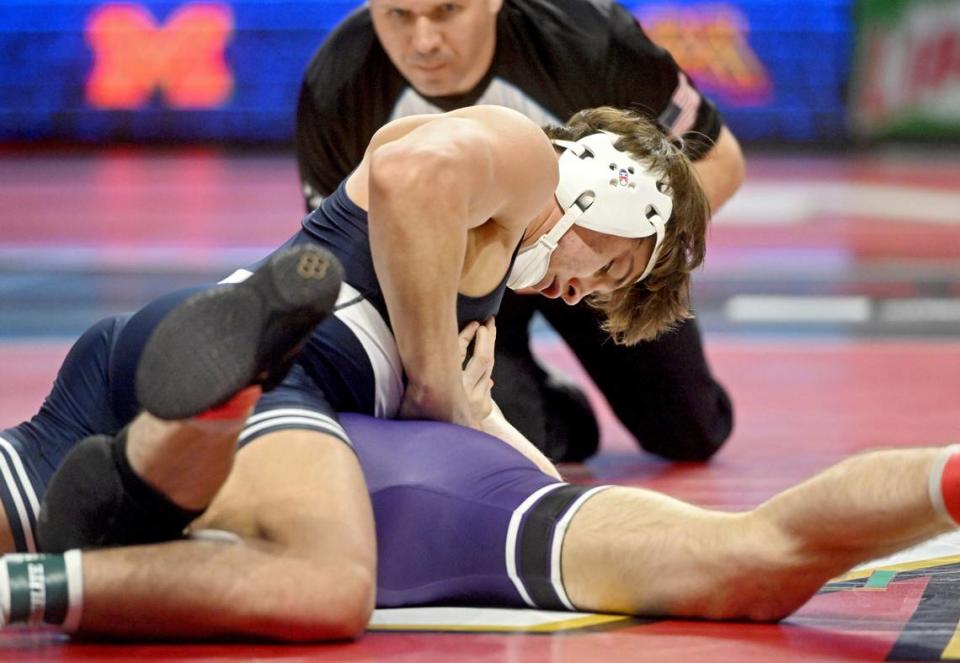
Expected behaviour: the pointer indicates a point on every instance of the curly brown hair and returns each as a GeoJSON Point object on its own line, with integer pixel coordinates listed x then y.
{"type": "Point", "coordinates": [642, 311]}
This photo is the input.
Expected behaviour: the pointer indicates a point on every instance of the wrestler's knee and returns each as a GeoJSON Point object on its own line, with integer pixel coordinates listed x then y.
{"type": "Point", "coordinates": [550, 411]}
{"type": "Point", "coordinates": [85, 485]}
{"type": "Point", "coordinates": [765, 577]}
{"type": "Point", "coordinates": [694, 434]}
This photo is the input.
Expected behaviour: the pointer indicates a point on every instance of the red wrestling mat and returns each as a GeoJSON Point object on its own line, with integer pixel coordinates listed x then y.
{"type": "Point", "coordinates": [801, 406]}
{"type": "Point", "coordinates": [898, 613]}
{"type": "Point", "coordinates": [200, 202]}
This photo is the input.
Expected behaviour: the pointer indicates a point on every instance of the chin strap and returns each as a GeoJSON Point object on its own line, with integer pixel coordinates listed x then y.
{"type": "Point", "coordinates": [569, 218]}
{"type": "Point", "coordinates": [661, 228]}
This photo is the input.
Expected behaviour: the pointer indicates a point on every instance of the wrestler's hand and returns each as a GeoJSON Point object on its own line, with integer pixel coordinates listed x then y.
{"type": "Point", "coordinates": [456, 408]}
{"type": "Point", "coordinates": [470, 398]}
{"type": "Point", "coordinates": [478, 366]}
{"type": "Point", "coordinates": [440, 399]}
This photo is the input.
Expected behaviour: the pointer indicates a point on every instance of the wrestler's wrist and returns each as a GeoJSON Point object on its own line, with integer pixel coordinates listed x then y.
{"type": "Point", "coordinates": [440, 402]}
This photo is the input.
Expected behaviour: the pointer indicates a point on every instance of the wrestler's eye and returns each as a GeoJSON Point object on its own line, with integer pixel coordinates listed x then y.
{"type": "Point", "coordinates": [399, 14]}
{"type": "Point", "coordinates": [446, 10]}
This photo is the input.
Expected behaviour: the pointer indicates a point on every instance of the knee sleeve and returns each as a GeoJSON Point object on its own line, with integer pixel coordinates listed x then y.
{"type": "Point", "coordinates": [95, 499]}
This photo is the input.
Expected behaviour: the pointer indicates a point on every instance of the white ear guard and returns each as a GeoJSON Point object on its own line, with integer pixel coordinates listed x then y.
{"type": "Point", "coordinates": [607, 190]}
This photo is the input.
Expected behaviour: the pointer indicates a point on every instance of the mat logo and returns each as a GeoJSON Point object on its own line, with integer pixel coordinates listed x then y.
{"type": "Point", "coordinates": [911, 609]}
{"type": "Point", "coordinates": [182, 60]}
{"type": "Point", "coordinates": [710, 43]}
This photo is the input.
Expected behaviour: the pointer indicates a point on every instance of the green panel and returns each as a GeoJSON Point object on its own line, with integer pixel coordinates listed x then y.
{"type": "Point", "coordinates": [880, 579]}
{"type": "Point", "coordinates": [888, 20]}
{"type": "Point", "coordinates": [880, 11]}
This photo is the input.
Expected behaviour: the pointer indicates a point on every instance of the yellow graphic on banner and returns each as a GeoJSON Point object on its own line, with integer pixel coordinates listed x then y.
{"type": "Point", "coordinates": [710, 43]}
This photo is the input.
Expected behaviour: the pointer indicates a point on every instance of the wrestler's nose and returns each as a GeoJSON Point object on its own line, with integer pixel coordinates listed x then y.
{"type": "Point", "coordinates": [573, 292]}
{"type": "Point", "coordinates": [426, 37]}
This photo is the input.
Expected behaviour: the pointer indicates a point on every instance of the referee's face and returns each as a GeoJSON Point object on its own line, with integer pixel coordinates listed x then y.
{"type": "Point", "coordinates": [441, 48]}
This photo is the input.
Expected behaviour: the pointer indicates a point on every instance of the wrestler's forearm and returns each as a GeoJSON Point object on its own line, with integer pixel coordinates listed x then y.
{"type": "Point", "coordinates": [194, 589]}
{"type": "Point", "coordinates": [418, 238]}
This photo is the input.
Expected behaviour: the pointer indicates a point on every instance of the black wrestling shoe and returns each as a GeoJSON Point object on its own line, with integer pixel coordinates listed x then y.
{"type": "Point", "coordinates": [573, 434]}
{"type": "Point", "coordinates": [222, 340]}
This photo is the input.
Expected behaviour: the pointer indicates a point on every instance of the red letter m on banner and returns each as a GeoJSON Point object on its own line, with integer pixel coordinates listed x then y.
{"type": "Point", "coordinates": [184, 59]}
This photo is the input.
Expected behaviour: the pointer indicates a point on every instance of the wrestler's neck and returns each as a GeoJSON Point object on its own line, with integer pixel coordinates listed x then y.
{"type": "Point", "coordinates": [542, 223]}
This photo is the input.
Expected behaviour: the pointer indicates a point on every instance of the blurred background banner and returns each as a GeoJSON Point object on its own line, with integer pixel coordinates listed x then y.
{"type": "Point", "coordinates": [906, 79]}
{"type": "Point", "coordinates": [777, 70]}
{"type": "Point", "coordinates": [219, 71]}
{"type": "Point", "coordinates": [149, 71]}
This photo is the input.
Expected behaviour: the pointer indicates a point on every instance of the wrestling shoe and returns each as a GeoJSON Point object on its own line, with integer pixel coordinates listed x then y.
{"type": "Point", "coordinates": [221, 340]}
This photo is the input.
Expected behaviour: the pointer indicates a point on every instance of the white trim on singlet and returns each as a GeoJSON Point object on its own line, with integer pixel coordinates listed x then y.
{"type": "Point", "coordinates": [369, 327]}
{"type": "Point", "coordinates": [285, 417]}
{"type": "Point", "coordinates": [238, 276]}
{"type": "Point", "coordinates": [289, 412]}
{"type": "Point", "coordinates": [513, 530]}
{"type": "Point", "coordinates": [18, 499]}
{"type": "Point", "coordinates": [559, 531]}
{"type": "Point", "coordinates": [377, 340]}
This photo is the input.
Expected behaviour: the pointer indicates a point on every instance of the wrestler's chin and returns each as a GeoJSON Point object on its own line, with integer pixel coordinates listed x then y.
{"type": "Point", "coordinates": [546, 287]}
{"type": "Point", "coordinates": [536, 288]}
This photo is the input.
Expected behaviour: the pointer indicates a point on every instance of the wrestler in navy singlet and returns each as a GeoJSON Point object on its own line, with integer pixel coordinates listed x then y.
{"type": "Point", "coordinates": [341, 226]}
{"type": "Point", "coordinates": [352, 359]}
{"type": "Point", "coordinates": [460, 517]}
{"type": "Point", "coordinates": [350, 364]}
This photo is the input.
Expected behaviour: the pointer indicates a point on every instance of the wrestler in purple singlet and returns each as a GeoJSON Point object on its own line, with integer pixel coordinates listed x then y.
{"type": "Point", "coordinates": [460, 517]}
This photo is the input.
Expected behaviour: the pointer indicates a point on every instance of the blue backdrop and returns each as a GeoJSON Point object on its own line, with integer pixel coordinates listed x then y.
{"type": "Point", "coordinates": [778, 70]}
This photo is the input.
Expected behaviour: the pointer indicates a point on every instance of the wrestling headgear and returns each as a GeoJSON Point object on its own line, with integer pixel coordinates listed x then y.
{"type": "Point", "coordinates": [603, 189]}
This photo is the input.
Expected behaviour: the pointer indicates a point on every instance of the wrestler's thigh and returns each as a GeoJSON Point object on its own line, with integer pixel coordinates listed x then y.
{"type": "Point", "coordinates": [636, 551]}
{"type": "Point", "coordinates": [299, 489]}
